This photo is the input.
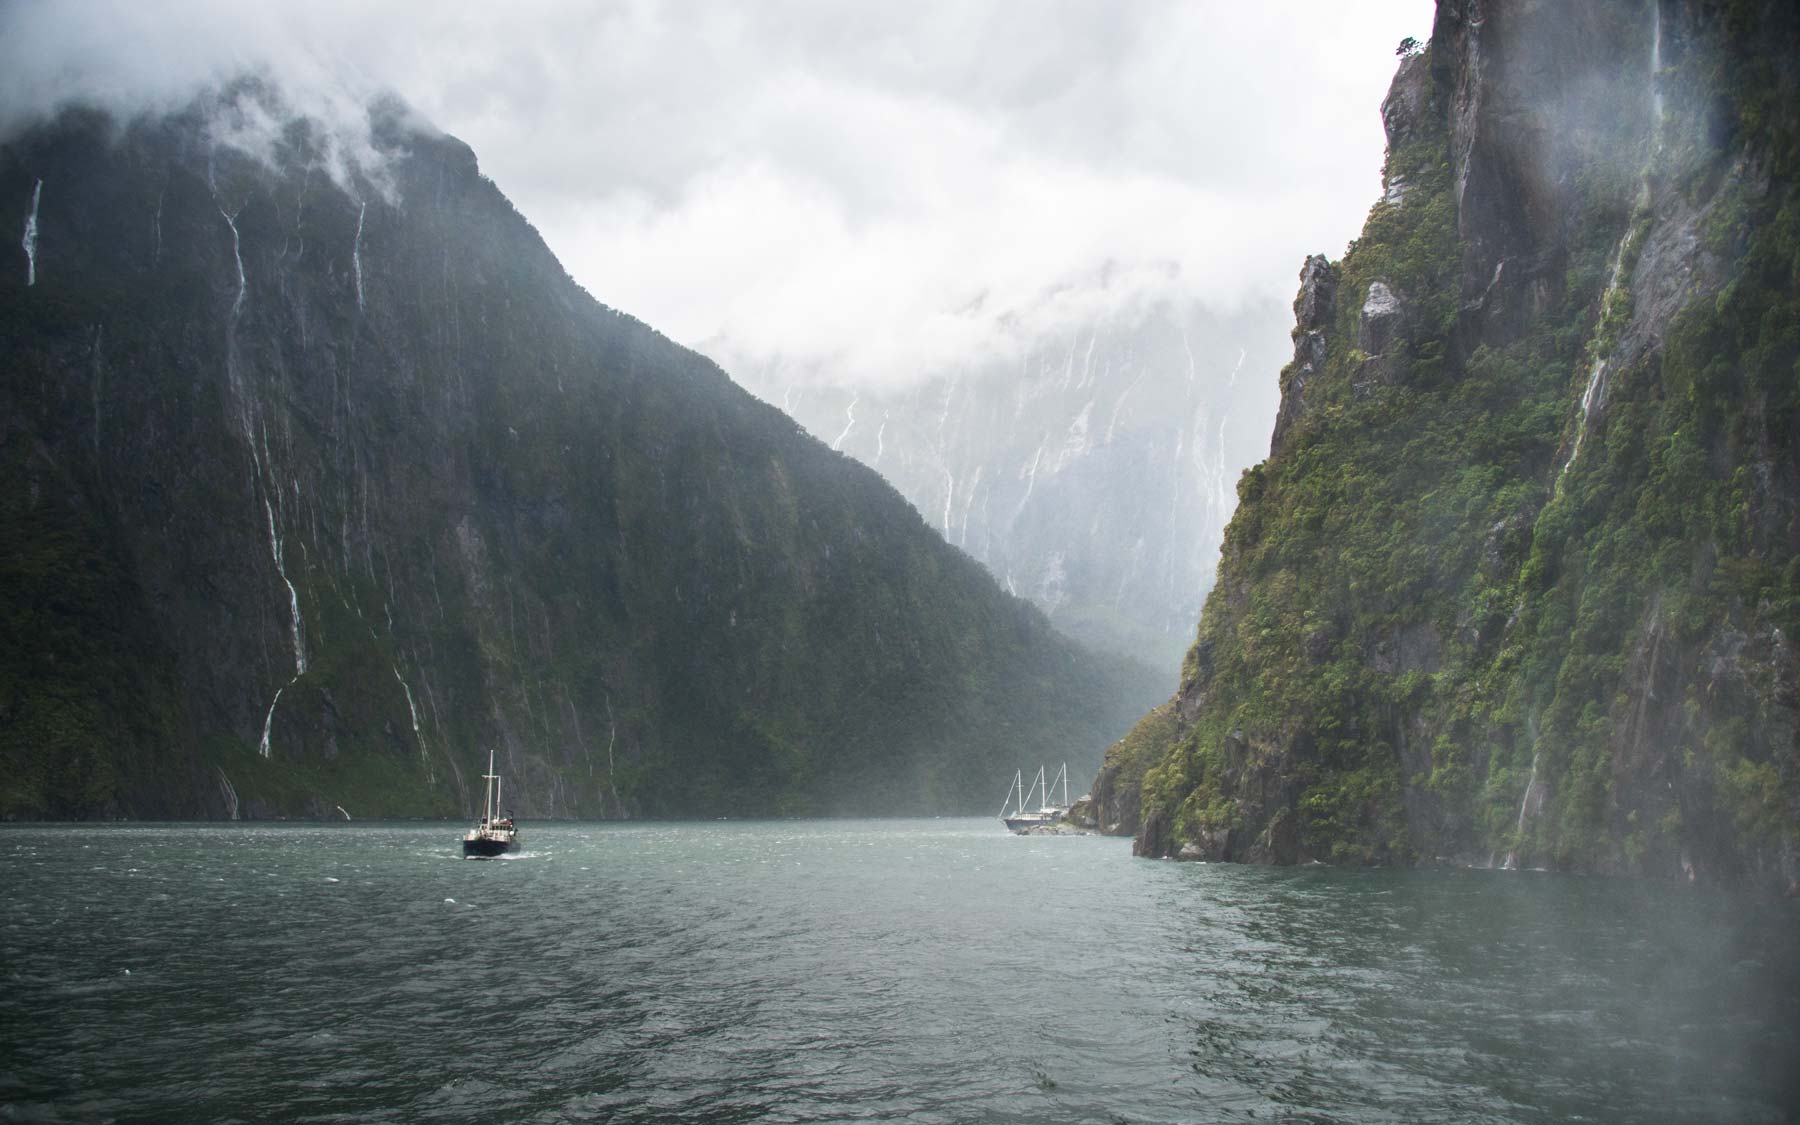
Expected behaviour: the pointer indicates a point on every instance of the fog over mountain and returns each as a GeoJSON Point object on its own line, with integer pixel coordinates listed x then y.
{"type": "Point", "coordinates": [835, 202]}
{"type": "Point", "coordinates": [1093, 476]}
{"type": "Point", "coordinates": [874, 194]}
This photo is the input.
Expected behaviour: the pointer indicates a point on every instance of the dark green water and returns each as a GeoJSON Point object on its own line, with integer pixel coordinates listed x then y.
{"type": "Point", "coordinates": [933, 971]}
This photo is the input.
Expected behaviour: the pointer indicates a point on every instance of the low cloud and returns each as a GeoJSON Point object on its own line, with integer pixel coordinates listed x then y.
{"type": "Point", "coordinates": [868, 192]}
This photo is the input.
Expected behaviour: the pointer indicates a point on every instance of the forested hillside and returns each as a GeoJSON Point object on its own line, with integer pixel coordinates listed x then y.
{"type": "Point", "coordinates": [319, 477]}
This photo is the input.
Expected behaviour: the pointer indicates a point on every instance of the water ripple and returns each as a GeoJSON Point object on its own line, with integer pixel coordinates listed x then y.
{"type": "Point", "coordinates": [936, 971]}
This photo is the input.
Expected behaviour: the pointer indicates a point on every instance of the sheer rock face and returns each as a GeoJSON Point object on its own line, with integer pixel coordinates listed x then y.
{"type": "Point", "coordinates": [1314, 309]}
{"type": "Point", "coordinates": [1518, 584]}
{"type": "Point", "coordinates": [318, 485]}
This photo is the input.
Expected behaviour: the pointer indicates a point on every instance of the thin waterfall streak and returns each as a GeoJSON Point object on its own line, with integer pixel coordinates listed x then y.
{"type": "Point", "coordinates": [612, 738]}
{"type": "Point", "coordinates": [1656, 97]}
{"type": "Point", "coordinates": [849, 423]}
{"type": "Point", "coordinates": [1594, 391]}
{"type": "Point", "coordinates": [880, 446]}
{"type": "Point", "coordinates": [30, 241]}
{"type": "Point", "coordinates": [949, 498]}
{"type": "Point", "coordinates": [293, 594]}
{"type": "Point", "coordinates": [418, 734]}
{"type": "Point", "coordinates": [356, 254]}
{"type": "Point", "coordinates": [968, 503]}
{"type": "Point", "coordinates": [269, 719]}
{"type": "Point", "coordinates": [1512, 859]}
{"type": "Point", "coordinates": [230, 793]}
{"type": "Point", "coordinates": [237, 256]}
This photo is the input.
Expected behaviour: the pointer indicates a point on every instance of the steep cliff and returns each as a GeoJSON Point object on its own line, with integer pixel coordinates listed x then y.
{"type": "Point", "coordinates": [1519, 581]}
{"type": "Point", "coordinates": [319, 477]}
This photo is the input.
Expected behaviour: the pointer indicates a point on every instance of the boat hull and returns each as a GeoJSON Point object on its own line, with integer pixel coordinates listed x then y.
{"type": "Point", "coordinates": [1022, 824]}
{"type": "Point", "coordinates": [487, 847]}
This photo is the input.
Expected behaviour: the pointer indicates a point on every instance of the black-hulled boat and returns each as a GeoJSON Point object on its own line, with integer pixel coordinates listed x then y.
{"type": "Point", "coordinates": [493, 834]}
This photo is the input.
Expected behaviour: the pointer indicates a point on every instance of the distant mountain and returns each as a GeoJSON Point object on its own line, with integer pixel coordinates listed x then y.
{"type": "Point", "coordinates": [320, 478]}
{"type": "Point", "coordinates": [1519, 583]}
{"type": "Point", "coordinates": [1095, 477]}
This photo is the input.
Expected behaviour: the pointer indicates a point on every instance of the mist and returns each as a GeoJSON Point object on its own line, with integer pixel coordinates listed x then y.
{"type": "Point", "coordinates": [864, 196]}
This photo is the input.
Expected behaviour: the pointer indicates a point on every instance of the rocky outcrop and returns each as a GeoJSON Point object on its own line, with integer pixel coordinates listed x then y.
{"type": "Point", "coordinates": [1518, 582]}
{"type": "Point", "coordinates": [1314, 309]}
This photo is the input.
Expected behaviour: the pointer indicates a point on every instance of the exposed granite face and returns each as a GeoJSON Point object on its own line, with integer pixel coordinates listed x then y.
{"type": "Point", "coordinates": [315, 488]}
{"type": "Point", "coordinates": [1518, 584]}
{"type": "Point", "coordinates": [1314, 308]}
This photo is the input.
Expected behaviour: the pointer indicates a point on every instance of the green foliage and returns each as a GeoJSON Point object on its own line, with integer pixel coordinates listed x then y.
{"type": "Point", "coordinates": [1419, 610]}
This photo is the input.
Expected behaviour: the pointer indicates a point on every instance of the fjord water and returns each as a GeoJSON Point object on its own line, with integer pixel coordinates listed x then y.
{"type": "Point", "coordinates": [929, 970]}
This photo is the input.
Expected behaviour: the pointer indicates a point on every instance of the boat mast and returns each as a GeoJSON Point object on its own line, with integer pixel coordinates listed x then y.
{"type": "Point", "coordinates": [1065, 781]}
{"type": "Point", "coordinates": [487, 810]}
{"type": "Point", "coordinates": [1018, 783]}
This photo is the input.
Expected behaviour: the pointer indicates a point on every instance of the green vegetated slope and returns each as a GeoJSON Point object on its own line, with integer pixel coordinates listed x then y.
{"type": "Point", "coordinates": [1520, 580]}
{"type": "Point", "coordinates": [317, 484]}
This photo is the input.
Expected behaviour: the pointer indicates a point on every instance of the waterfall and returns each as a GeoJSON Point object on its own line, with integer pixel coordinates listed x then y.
{"type": "Point", "coordinates": [269, 719]}
{"type": "Point", "coordinates": [880, 446]}
{"type": "Point", "coordinates": [968, 503]}
{"type": "Point", "coordinates": [1595, 391]}
{"type": "Point", "coordinates": [229, 793]}
{"type": "Point", "coordinates": [1512, 858]}
{"type": "Point", "coordinates": [417, 733]}
{"type": "Point", "coordinates": [237, 256]}
{"type": "Point", "coordinates": [1656, 97]}
{"type": "Point", "coordinates": [29, 242]}
{"type": "Point", "coordinates": [356, 254]}
{"type": "Point", "coordinates": [949, 499]}
{"type": "Point", "coordinates": [256, 463]}
{"type": "Point", "coordinates": [293, 595]}
{"type": "Point", "coordinates": [612, 739]}
{"type": "Point", "coordinates": [849, 421]}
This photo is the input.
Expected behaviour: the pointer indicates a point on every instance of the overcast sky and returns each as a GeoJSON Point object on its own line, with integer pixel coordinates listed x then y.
{"type": "Point", "coordinates": [870, 190]}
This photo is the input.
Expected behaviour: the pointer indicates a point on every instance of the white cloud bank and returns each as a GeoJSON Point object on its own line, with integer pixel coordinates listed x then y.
{"type": "Point", "coordinates": [872, 192]}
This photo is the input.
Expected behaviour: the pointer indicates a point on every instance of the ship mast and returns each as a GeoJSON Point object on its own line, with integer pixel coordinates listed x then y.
{"type": "Point", "coordinates": [487, 808]}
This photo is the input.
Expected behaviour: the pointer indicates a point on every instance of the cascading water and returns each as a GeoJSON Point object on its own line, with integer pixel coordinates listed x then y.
{"type": "Point", "coordinates": [356, 254]}
{"type": "Point", "coordinates": [237, 256]}
{"type": "Point", "coordinates": [1656, 97]}
{"type": "Point", "coordinates": [275, 549]}
{"type": "Point", "coordinates": [257, 464]}
{"type": "Point", "coordinates": [229, 792]}
{"type": "Point", "coordinates": [417, 733]}
{"type": "Point", "coordinates": [849, 421]}
{"type": "Point", "coordinates": [1593, 395]}
{"type": "Point", "coordinates": [269, 720]}
{"type": "Point", "coordinates": [1512, 857]}
{"type": "Point", "coordinates": [29, 242]}
{"type": "Point", "coordinates": [1595, 391]}
{"type": "Point", "coordinates": [949, 499]}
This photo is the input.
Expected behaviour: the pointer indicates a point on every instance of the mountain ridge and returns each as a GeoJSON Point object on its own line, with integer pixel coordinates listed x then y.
{"type": "Point", "coordinates": [323, 476]}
